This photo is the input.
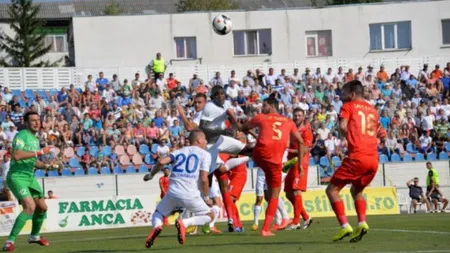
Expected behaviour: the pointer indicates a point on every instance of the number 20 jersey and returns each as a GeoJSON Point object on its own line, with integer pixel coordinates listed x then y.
{"type": "Point", "coordinates": [362, 128]}
{"type": "Point", "coordinates": [187, 163]}
{"type": "Point", "coordinates": [274, 133]}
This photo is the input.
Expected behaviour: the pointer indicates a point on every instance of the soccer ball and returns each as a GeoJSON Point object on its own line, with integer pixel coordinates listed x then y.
{"type": "Point", "coordinates": [222, 24]}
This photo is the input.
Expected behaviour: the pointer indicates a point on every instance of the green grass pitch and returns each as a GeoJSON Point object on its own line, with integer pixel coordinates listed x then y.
{"type": "Point", "coordinates": [413, 233]}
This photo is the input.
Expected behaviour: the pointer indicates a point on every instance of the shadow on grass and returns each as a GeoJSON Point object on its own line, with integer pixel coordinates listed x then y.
{"type": "Point", "coordinates": [156, 248]}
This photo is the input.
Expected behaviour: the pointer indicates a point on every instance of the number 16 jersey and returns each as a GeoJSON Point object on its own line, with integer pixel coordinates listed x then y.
{"type": "Point", "coordinates": [274, 133]}
{"type": "Point", "coordinates": [362, 128]}
{"type": "Point", "coordinates": [187, 163]}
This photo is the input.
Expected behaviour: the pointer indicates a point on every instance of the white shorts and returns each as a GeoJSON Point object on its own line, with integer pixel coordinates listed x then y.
{"type": "Point", "coordinates": [261, 185]}
{"type": "Point", "coordinates": [285, 156]}
{"type": "Point", "coordinates": [226, 145]}
{"type": "Point", "coordinates": [195, 205]}
{"type": "Point", "coordinates": [214, 191]}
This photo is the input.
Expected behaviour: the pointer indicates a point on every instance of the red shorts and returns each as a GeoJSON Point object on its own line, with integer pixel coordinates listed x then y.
{"type": "Point", "coordinates": [237, 183]}
{"type": "Point", "coordinates": [358, 171]}
{"type": "Point", "coordinates": [272, 171]}
{"type": "Point", "coordinates": [295, 183]}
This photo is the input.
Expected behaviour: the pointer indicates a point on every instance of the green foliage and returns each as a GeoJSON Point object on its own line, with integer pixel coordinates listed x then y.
{"type": "Point", "coordinates": [28, 45]}
{"type": "Point", "coordinates": [206, 5]}
{"type": "Point", "coordinates": [113, 8]}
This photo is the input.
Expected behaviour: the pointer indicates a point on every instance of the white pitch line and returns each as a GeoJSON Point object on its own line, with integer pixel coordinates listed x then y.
{"type": "Point", "coordinates": [416, 251]}
{"type": "Point", "coordinates": [412, 231]}
{"type": "Point", "coordinates": [101, 238]}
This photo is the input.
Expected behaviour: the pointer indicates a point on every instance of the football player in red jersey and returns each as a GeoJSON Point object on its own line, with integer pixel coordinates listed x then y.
{"type": "Point", "coordinates": [164, 187]}
{"type": "Point", "coordinates": [274, 134]}
{"type": "Point", "coordinates": [293, 184]}
{"type": "Point", "coordinates": [358, 124]}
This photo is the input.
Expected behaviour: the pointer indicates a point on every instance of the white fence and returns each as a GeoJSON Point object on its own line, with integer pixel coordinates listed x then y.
{"type": "Point", "coordinates": [48, 78]}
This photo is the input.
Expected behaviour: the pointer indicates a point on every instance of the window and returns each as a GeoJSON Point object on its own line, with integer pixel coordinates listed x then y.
{"type": "Point", "coordinates": [58, 42]}
{"type": "Point", "coordinates": [186, 47]}
{"type": "Point", "coordinates": [318, 43]}
{"type": "Point", "coordinates": [390, 36]}
{"type": "Point", "coordinates": [446, 32]}
{"type": "Point", "coordinates": [255, 42]}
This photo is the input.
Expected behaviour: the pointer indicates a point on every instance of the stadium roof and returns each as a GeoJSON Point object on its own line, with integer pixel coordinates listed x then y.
{"type": "Point", "coordinates": [62, 9]}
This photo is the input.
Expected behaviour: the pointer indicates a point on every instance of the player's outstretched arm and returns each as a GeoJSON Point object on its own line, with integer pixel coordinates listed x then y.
{"type": "Point", "coordinates": [189, 125]}
{"type": "Point", "coordinates": [159, 165]}
{"type": "Point", "coordinates": [343, 127]}
{"type": "Point", "coordinates": [19, 154]}
{"type": "Point", "coordinates": [204, 185]}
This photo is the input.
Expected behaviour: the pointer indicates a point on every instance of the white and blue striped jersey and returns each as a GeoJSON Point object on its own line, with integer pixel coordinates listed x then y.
{"type": "Point", "coordinates": [187, 163]}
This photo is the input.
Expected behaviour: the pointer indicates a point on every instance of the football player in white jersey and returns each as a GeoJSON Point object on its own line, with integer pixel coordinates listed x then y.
{"type": "Point", "coordinates": [188, 187]}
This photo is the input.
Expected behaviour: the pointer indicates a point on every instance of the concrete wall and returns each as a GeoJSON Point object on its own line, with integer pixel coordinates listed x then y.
{"type": "Point", "coordinates": [134, 40]}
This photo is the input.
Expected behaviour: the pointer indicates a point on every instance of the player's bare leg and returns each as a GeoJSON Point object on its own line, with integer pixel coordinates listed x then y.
{"type": "Point", "coordinates": [274, 194]}
{"type": "Point", "coordinates": [360, 207]}
{"type": "Point", "coordinates": [339, 209]}
{"type": "Point", "coordinates": [39, 216]}
{"type": "Point", "coordinates": [256, 212]}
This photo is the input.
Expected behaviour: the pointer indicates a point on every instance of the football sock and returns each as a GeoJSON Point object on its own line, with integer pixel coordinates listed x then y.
{"type": "Point", "coordinates": [297, 209]}
{"type": "Point", "coordinates": [157, 219]}
{"type": "Point", "coordinates": [339, 210]}
{"type": "Point", "coordinates": [270, 213]}
{"type": "Point", "coordinates": [360, 206]}
{"type": "Point", "coordinates": [216, 211]}
{"type": "Point", "coordinates": [228, 203]}
{"type": "Point", "coordinates": [197, 220]}
{"type": "Point", "coordinates": [256, 213]}
{"type": "Point", "coordinates": [278, 218]}
{"type": "Point", "coordinates": [303, 212]}
{"type": "Point", "coordinates": [234, 162]}
{"type": "Point", "coordinates": [165, 220]}
{"type": "Point", "coordinates": [282, 209]}
{"type": "Point", "coordinates": [18, 225]}
{"type": "Point", "coordinates": [38, 220]}
{"type": "Point", "coordinates": [237, 218]}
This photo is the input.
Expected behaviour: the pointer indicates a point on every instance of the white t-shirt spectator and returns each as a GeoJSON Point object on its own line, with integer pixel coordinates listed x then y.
{"type": "Point", "coordinates": [91, 85]}
{"type": "Point", "coordinates": [247, 90]}
{"type": "Point", "coordinates": [11, 135]}
{"type": "Point", "coordinates": [330, 144]}
{"type": "Point", "coordinates": [323, 132]}
{"type": "Point", "coordinates": [170, 120]}
{"type": "Point", "coordinates": [163, 151]}
{"type": "Point", "coordinates": [329, 77]}
{"type": "Point", "coordinates": [5, 169]}
{"type": "Point", "coordinates": [270, 79]}
{"type": "Point", "coordinates": [427, 122]}
{"type": "Point", "coordinates": [303, 106]}
{"type": "Point", "coordinates": [233, 92]}
{"type": "Point", "coordinates": [425, 141]}
{"type": "Point", "coordinates": [333, 115]}
{"type": "Point", "coordinates": [108, 94]}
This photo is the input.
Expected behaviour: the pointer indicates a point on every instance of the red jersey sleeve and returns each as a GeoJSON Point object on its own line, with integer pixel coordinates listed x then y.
{"type": "Point", "coordinates": [346, 111]}
{"type": "Point", "coordinates": [255, 121]}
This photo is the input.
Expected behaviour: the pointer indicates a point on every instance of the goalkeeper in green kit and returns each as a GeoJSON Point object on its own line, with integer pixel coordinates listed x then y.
{"type": "Point", "coordinates": [23, 184]}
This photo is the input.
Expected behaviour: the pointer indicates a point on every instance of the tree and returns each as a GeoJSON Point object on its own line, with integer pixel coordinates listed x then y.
{"type": "Point", "coordinates": [206, 5]}
{"type": "Point", "coordinates": [319, 3]}
{"type": "Point", "coordinates": [113, 8]}
{"type": "Point", "coordinates": [28, 45]}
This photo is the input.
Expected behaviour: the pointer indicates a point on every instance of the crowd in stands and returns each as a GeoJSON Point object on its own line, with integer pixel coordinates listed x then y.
{"type": "Point", "coordinates": [110, 125]}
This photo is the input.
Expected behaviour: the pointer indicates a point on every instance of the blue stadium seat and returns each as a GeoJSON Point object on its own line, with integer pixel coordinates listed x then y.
{"type": "Point", "coordinates": [312, 161]}
{"type": "Point", "coordinates": [79, 172]}
{"type": "Point", "coordinates": [336, 160]}
{"type": "Point", "coordinates": [22, 103]}
{"type": "Point", "coordinates": [80, 151]}
{"type": "Point", "coordinates": [431, 157]}
{"type": "Point", "coordinates": [148, 159]}
{"type": "Point", "coordinates": [324, 161]}
{"type": "Point", "coordinates": [42, 94]}
{"type": "Point", "coordinates": [93, 150]}
{"type": "Point", "coordinates": [395, 158]}
{"type": "Point", "coordinates": [447, 146]}
{"type": "Point", "coordinates": [53, 92]}
{"type": "Point", "coordinates": [131, 170]}
{"type": "Point", "coordinates": [105, 171]}
{"type": "Point", "coordinates": [107, 150]}
{"type": "Point", "coordinates": [118, 170]}
{"type": "Point", "coordinates": [39, 173]}
{"type": "Point", "coordinates": [443, 155]}
{"type": "Point", "coordinates": [384, 158]}
{"type": "Point", "coordinates": [53, 173]}
{"type": "Point", "coordinates": [66, 172]}
{"type": "Point", "coordinates": [29, 93]}
{"type": "Point", "coordinates": [419, 157]}
{"type": "Point", "coordinates": [251, 164]}
{"type": "Point", "coordinates": [143, 149]}
{"type": "Point", "coordinates": [407, 157]}
{"type": "Point", "coordinates": [92, 171]}
{"type": "Point", "coordinates": [17, 93]}
{"type": "Point", "coordinates": [74, 163]}
{"type": "Point", "coordinates": [143, 169]}
{"type": "Point", "coordinates": [410, 148]}
{"type": "Point", "coordinates": [154, 148]}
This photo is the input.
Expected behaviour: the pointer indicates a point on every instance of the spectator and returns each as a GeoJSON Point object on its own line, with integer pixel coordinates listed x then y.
{"type": "Point", "coordinates": [425, 143]}
{"type": "Point", "coordinates": [163, 150]}
{"type": "Point", "coordinates": [50, 195]}
{"type": "Point", "coordinates": [416, 194]}
{"type": "Point", "coordinates": [433, 190]}
{"type": "Point", "coordinates": [157, 66]}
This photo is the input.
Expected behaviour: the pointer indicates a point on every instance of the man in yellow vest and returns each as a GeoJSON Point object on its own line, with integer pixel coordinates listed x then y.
{"type": "Point", "coordinates": [157, 66]}
{"type": "Point", "coordinates": [433, 191]}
